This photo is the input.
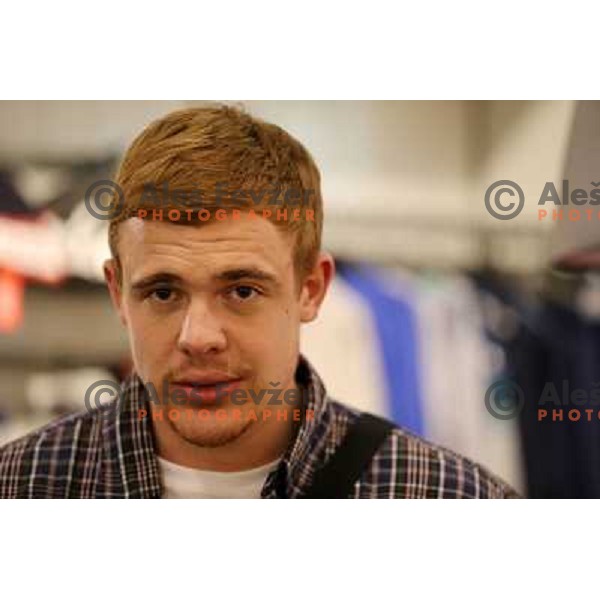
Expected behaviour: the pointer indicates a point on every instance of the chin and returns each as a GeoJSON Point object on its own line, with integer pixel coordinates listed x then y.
{"type": "Point", "coordinates": [210, 433]}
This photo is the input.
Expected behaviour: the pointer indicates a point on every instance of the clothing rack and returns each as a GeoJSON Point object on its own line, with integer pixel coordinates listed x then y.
{"type": "Point", "coordinates": [421, 242]}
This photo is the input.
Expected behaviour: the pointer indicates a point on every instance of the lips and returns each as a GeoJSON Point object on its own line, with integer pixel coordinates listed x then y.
{"type": "Point", "coordinates": [208, 389]}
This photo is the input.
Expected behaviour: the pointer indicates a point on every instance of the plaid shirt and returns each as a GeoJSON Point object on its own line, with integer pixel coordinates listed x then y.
{"type": "Point", "coordinates": [109, 452]}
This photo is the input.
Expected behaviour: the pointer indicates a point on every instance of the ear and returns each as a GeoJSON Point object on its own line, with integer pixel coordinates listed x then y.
{"type": "Point", "coordinates": [315, 286]}
{"type": "Point", "coordinates": [114, 287]}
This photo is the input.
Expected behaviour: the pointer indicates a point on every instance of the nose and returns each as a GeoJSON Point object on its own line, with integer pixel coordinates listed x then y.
{"type": "Point", "coordinates": [201, 331]}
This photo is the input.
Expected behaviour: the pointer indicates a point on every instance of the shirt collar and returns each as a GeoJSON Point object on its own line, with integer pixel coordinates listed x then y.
{"type": "Point", "coordinates": [299, 463]}
{"type": "Point", "coordinates": [129, 467]}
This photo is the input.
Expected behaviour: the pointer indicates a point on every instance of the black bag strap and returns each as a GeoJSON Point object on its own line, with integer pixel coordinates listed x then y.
{"type": "Point", "coordinates": [336, 478]}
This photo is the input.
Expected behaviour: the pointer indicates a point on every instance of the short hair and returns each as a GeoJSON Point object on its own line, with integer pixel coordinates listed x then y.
{"type": "Point", "coordinates": [203, 146]}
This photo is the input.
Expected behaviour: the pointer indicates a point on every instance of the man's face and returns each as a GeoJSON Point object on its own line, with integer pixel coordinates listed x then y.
{"type": "Point", "coordinates": [213, 302]}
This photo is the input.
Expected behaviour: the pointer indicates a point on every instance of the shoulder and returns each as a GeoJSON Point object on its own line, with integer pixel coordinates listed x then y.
{"type": "Point", "coordinates": [46, 457]}
{"type": "Point", "coordinates": [408, 466]}
{"type": "Point", "coordinates": [427, 470]}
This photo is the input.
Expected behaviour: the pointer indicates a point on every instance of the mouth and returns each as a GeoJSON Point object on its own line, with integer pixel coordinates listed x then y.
{"type": "Point", "coordinates": [202, 393]}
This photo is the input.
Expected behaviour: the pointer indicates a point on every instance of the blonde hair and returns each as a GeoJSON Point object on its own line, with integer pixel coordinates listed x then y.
{"type": "Point", "coordinates": [220, 145]}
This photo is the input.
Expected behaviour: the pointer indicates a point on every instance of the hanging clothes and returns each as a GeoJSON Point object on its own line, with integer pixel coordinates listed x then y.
{"type": "Point", "coordinates": [395, 324]}
{"type": "Point", "coordinates": [558, 347]}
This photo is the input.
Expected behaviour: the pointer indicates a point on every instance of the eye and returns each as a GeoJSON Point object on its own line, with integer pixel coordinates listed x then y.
{"type": "Point", "coordinates": [161, 295]}
{"type": "Point", "coordinates": [243, 293]}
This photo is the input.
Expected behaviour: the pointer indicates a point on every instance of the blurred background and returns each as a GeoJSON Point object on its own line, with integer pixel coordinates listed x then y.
{"type": "Point", "coordinates": [435, 301]}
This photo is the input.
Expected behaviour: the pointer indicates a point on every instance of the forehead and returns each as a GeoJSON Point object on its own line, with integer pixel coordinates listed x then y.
{"type": "Point", "coordinates": [202, 250]}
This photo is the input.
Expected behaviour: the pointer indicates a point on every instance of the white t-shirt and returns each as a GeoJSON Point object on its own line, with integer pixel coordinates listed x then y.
{"type": "Point", "coordinates": [184, 482]}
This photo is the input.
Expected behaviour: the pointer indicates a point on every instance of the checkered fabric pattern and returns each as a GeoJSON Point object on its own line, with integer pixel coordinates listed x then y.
{"type": "Point", "coordinates": [109, 452]}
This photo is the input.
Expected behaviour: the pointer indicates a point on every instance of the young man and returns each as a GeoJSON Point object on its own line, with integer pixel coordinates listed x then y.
{"type": "Point", "coordinates": [216, 263]}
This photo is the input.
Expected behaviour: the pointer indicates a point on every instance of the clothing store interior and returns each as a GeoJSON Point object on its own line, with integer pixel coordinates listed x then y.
{"type": "Point", "coordinates": [470, 325]}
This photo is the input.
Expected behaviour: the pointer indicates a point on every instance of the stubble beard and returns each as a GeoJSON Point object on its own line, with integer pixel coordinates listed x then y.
{"type": "Point", "coordinates": [210, 433]}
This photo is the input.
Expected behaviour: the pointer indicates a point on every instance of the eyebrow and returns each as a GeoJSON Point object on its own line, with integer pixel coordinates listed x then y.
{"type": "Point", "coordinates": [148, 280]}
{"type": "Point", "coordinates": [229, 275]}
{"type": "Point", "coordinates": [247, 273]}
